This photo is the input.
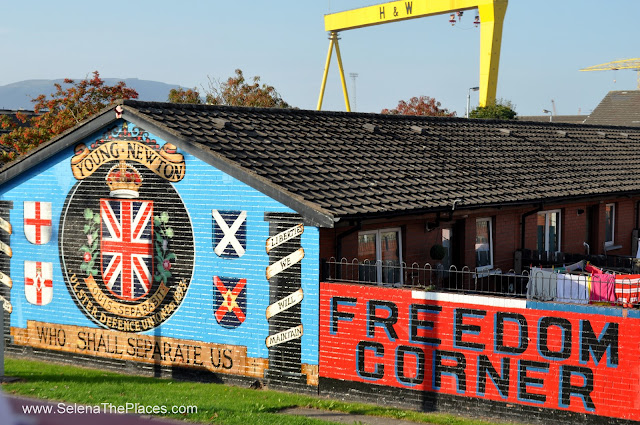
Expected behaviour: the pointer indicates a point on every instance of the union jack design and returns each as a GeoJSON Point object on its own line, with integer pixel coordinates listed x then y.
{"type": "Point", "coordinates": [229, 301]}
{"type": "Point", "coordinates": [126, 247]}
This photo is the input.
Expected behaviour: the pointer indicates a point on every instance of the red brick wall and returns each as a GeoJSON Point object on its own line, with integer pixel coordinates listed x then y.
{"type": "Point", "coordinates": [417, 240]}
{"type": "Point", "coordinates": [546, 360]}
{"type": "Point", "coordinates": [574, 226]}
{"type": "Point", "coordinates": [625, 218]}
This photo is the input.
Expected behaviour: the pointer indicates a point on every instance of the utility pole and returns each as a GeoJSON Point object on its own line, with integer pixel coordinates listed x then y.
{"type": "Point", "coordinates": [353, 76]}
{"type": "Point", "coordinates": [466, 115]}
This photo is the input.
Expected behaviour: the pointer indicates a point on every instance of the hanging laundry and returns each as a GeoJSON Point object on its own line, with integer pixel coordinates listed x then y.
{"type": "Point", "coordinates": [573, 288]}
{"type": "Point", "coordinates": [580, 265]}
{"type": "Point", "coordinates": [542, 284]}
{"type": "Point", "coordinates": [602, 285]}
{"type": "Point", "coordinates": [627, 289]}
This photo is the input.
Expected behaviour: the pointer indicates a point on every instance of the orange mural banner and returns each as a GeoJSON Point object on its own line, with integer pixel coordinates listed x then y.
{"type": "Point", "coordinates": [166, 163]}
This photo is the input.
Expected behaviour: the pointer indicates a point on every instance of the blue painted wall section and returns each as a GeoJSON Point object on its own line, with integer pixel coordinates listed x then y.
{"type": "Point", "coordinates": [137, 273]}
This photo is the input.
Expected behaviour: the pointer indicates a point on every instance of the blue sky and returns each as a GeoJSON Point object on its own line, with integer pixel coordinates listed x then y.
{"type": "Point", "coordinates": [545, 43]}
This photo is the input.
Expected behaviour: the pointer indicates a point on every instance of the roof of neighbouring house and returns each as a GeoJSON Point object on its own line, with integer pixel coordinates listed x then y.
{"type": "Point", "coordinates": [567, 119]}
{"type": "Point", "coordinates": [332, 165]}
{"type": "Point", "coordinates": [620, 107]}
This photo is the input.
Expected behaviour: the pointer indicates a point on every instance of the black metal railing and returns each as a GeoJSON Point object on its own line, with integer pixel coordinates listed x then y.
{"type": "Point", "coordinates": [574, 286]}
{"type": "Point", "coordinates": [426, 277]}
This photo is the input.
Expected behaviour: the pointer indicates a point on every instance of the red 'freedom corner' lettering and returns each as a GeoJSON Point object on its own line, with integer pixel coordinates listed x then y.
{"type": "Point", "coordinates": [540, 357]}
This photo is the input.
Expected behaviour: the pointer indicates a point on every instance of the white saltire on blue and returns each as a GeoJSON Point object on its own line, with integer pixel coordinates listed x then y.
{"type": "Point", "coordinates": [229, 233]}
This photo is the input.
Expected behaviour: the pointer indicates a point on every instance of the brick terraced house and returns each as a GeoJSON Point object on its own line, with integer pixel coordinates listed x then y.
{"type": "Point", "coordinates": [363, 256]}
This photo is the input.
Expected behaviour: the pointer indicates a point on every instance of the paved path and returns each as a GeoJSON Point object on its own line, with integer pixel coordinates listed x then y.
{"type": "Point", "coordinates": [346, 418]}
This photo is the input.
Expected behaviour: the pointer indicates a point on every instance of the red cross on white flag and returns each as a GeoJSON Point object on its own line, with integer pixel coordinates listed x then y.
{"type": "Point", "coordinates": [37, 222]}
{"type": "Point", "coordinates": [38, 282]}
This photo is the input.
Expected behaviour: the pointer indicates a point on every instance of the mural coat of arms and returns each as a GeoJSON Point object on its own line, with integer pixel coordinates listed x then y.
{"type": "Point", "coordinates": [126, 240]}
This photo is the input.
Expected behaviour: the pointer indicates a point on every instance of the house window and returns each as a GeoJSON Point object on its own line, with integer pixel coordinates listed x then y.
{"type": "Point", "coordinates": [549, 231]}
{"type": "Point", "coordinates": [484, 244]}
{"type": "Point", "coordinates": [380, 256]}
{"type": "Point", "coordinates": [609, 223]}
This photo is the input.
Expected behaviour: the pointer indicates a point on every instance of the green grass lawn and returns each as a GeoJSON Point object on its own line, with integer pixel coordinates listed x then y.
{"type": "Point", "coordinates": [216, 404]}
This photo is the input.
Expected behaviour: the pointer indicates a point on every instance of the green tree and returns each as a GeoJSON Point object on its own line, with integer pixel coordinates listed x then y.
{"type": "Point", "coordinates": [501, 110]}
{"type": "Point", "coordinates": [423, 105]}
{"type": "Point", "coordinates": [58, 112]}
{"type": "Point", "coordinates": [236, 91]}
{"type": "Point", "coordinates": [181, 95]}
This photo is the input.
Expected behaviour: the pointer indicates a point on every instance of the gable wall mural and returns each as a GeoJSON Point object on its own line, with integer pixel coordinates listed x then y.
{"type": "Point", "coordinates": [127, 248]}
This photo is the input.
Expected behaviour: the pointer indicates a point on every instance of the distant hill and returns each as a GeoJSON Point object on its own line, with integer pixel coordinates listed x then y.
{"type": "Point", "coordinates": [18, 95]}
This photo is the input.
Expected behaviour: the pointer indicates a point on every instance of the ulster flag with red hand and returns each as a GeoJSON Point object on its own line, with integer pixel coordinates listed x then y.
{"type": "Point", "coordinates": [229, 301]}
{"type": "Point", "coordinates": [38, 282]}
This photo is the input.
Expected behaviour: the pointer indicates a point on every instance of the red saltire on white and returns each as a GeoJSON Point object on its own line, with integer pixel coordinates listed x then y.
{"type": "Point", "coordinates": [37, 222]}
{"type": "Point", "coordinates": [126, 247]}
{"type": "Point", "coordinates": [38, 282]}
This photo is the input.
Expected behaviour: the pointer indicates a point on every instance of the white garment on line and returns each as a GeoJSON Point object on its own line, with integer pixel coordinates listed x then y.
{"type": "Point", "coordinates": [573, 288]}
{"type": "Point", "coordinates": [542, 284]}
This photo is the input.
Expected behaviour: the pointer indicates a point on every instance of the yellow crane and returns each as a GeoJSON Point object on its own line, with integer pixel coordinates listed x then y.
{"type": "Point", "coordinates": [491, 13]}
{"type": "Point", "coordinates": [616, 65]}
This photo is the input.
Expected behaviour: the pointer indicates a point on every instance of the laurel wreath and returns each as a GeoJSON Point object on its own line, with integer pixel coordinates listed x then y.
{"type": "Point", "coordinates": [92, 221]}
{"type": "Point", "coordinates": [164, 256]}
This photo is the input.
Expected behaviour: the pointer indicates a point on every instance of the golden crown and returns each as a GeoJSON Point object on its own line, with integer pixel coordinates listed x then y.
{"type": "Point", "coordinates": [123, 180]}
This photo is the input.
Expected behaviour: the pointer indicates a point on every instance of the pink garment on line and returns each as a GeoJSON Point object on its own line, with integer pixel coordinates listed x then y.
{"type": "Point", "coordinates": [602, 285]}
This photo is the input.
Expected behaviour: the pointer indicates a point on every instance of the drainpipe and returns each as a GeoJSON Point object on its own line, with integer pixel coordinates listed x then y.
{"type": "Point", "coordinates": [522, 223]}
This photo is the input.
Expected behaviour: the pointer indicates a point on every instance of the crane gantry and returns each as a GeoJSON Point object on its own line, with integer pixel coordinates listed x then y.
{"type": "Point", "coordinates": [491, 13]}
{"type": "Point", "coordinates": [616, 65]}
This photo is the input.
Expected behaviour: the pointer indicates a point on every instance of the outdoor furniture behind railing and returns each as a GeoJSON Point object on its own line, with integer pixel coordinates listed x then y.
{"type": "Point", "coordinates": [526, 258]}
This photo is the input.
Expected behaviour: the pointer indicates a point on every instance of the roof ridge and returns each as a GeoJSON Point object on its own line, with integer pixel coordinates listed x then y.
{"type": "Point", "coordinates": [195, 106]}
{"type": "Point", "coordinates": [136, 103]}
{"type": "Point", "coordinates": [314, 161]}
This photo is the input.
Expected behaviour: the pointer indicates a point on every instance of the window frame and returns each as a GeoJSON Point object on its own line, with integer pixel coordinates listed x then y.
{"type": "Point", "coordinates": [490, 265]}
{"type": "Point", "coordinates": [378, 260]}
{"type": "Point", "coordinates": [613, 224]}
{"type": "Point", "coordinates": [546, 215]}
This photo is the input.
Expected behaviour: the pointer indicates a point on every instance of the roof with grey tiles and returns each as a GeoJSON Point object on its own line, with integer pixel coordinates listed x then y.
{"type": "Point", "coordinates": [344, 165]}
{"type": "Point", "coordinates": [620, 107]}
